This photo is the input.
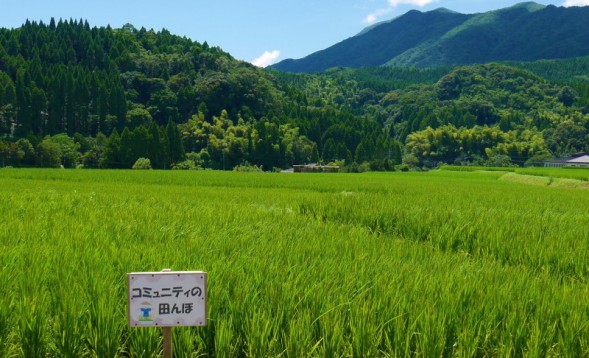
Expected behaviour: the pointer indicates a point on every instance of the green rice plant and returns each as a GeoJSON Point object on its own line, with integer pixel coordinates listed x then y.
{"type": "Point", "coordinates": [566, 172]}
{"type": "Point", "coordinates": [227, 343]}
{"type": "Point", "coordinates": [378, 264]}
{"type": "Point", "coordinates": [466, 168]}
{"type": "Point", "coordinates": [260, 338]}
{"type": "Point", "coordinates": [537, 343]}
{"type": "Point", "coordinates": [144, 343]}
{"type": "Point", "coordinates": [364, 328]}
{"type": "Point", "coordinates": [4, 330]}
{"type": "Point", "coordinates": [31, 330]}
{"type": "Point", "coordinates": [8, 320]}
{"type": "Point", "coordinates": [333, 341]}
{"type": "Point", "coordinates": [299, 335]}
{"type": "Point", "coordinates": [67, 333]}
{"type": "Point", "coordinates": [188, 343]}
{"type": "Point", "coordinates": [580, 173]}
{"type": "Point", "coordinates": [105, 328]}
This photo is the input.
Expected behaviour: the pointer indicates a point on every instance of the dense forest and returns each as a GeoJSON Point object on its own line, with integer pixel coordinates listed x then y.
{"type": "Point", "coordinates": [72, 95]}
{"type": "Point", "coordinates": [102, 97]}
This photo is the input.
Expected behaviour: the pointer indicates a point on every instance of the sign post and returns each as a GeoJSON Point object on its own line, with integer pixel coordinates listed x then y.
{"type": "Point", "coordinates": [167, 299]}
{"type": "Point", "coordinates": [167, 342]}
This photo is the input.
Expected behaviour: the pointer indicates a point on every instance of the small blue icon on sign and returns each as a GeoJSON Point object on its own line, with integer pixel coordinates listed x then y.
{"type": "Point", "coordinates": [145, 309]}
{"type": "Point", "coordinates": [145, 312]}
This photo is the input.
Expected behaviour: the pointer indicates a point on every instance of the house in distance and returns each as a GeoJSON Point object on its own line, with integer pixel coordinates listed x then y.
{"type": "Point", "coordinates": [578, 160]}
{"type": "Point", "coordinates": [315, 168]}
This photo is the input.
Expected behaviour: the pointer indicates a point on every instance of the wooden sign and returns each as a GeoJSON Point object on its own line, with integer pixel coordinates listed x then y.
{"type": "Point", "coordinates": [167, 299]}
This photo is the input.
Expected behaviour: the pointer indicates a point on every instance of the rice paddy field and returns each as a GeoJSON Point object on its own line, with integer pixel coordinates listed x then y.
{"type": "Point", "coordinates": [436, 264]}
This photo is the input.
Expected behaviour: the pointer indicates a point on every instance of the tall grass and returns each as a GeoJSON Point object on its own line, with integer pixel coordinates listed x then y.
{"type": "Point", "coordinates": [579, 173]}
{"type": "Point", "coordinates": [430, 264]}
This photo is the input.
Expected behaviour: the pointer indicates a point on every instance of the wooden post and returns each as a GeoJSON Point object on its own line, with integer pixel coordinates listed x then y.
{"type": "Point", "coordinates": [167, 342]}
{"type": "Point", "coordinates": [167, 334]}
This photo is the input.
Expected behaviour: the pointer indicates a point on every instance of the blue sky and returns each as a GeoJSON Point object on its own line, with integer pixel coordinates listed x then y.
{"type": "Point", "coordinates": [277, 29]}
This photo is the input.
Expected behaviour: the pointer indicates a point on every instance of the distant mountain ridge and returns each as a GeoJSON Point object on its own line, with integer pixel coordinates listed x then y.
{"type": "Point", "coordinates": [524, 32]}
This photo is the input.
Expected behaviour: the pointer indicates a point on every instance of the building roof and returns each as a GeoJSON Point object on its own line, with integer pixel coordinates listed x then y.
{"type": "Point", "coordinates": [584, 159]}
{"type": "Point", "coordinates": [580, 158]}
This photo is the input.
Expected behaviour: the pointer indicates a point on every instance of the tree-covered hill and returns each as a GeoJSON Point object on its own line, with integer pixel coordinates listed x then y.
{"type": "Point", "coordinates": [76, 95]}
{"type": "Point", "coordinates": [524, 32]}
{"type": "Point", "coordinates": [68, 77]}
{"type": "Point", "coordinates": [103, 97]}
{"type": "Point", "coordinates": [500, 110]}
{"type": "Point", "coordinates": [544, 118]}
{"type": "Point", "coordinates": [379, 45]}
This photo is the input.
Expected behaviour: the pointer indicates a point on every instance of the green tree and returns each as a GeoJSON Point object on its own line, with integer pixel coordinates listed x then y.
{"type": "Point", "coordinates": [23, 98]}
{"type": "Point", "coordinates": [9, 153]}
{"type": "Point", "coordinates": [154, 149]}
{"type": "Point", "coordinates": [127, 154]}
{"type": "Point", "coordinates": [329, 151]}
{"type": "Point", "coordinates": [112, 152]}
{"type": "Point", "coordinates": [142, 163]}
{"type": "Point", "coordinates": [567, 96]}
{"type": "Point", "coordinates": [137, 117]}
{"type": "Point", "coordinates": [68, 148]}
{"type": "Point", "coordinates": [175, 145]}
{"type": "Point", "coordinates": [140, 143]}
{"type": "Point", "coordinates": [49, 154]}
{"type": "Point", "coordinates": [7, 119]}
{"type": "Point", "coordinates": [27, 150]}
{"type": "Point", "coordinates": [314, 154]}
{"type": "Point", "coordinates": [39, 111]}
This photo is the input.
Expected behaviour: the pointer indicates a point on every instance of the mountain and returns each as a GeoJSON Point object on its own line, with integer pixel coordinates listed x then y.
{"type": "Point", "coordinates": [78, 96]}
{"type": "Point", "coordinates": [524, 32]}
{"type": "Point", "coordinates": [67, 80]}
{"type": "Point", "coordinates": [380, 44]}
{"type": "Point", "coordinates": [488, 110]}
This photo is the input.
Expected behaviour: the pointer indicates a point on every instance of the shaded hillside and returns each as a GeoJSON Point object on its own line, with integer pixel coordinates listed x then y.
{"type": "Point", "coordinates": [519, 33]}
{"type": "Point", "coordinates": [524, 32]}
{"type": "Point", "coordinates": [379, 45]}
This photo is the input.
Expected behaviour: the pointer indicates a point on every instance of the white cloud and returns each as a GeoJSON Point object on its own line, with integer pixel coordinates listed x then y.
{"type": "Point", "coordinates": [370, 19]}
{"type": "Point", "coordinates": [267, 58]}
{"type": "Point", "coordinates": [373, 17]}
{"type": "Point", "coordinates": [576, 3]}
{"type": "Point", "coordinates": [420, 3]}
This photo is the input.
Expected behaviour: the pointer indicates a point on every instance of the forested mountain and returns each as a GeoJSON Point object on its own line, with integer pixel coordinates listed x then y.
{"type": "Point", "coordinates": [135, 86]}
{"type": "Point", "coordinates": [379, 45]}
{"type": "Point", "coordinates": [76, 95]}
{"type": "Point", "coordinates": [524, 32]}
{"type": "Point", "coordinates": [486, 111]}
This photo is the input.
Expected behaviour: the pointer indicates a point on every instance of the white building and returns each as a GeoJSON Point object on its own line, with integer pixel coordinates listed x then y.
{"type": "Point", "coordinates": [579, 160]}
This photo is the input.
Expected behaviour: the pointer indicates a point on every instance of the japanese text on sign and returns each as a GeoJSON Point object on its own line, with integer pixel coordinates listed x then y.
{"type": "Point", "coordinates": [165, 299]}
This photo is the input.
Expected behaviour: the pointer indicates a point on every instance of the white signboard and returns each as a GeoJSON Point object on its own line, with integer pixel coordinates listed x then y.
{"type": "Point", "coordinates": [166, 299]}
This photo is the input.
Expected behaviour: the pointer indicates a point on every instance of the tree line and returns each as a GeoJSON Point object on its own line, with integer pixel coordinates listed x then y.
{"type": "Point", "coordinates": [124, 94]}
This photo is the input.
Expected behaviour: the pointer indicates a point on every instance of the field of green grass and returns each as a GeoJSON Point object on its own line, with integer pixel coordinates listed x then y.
{"type": "Point", "coordinates": [577, 173]}
{"type": "Point", "coordinates": [390, 264]}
